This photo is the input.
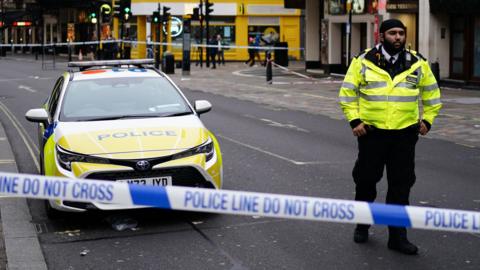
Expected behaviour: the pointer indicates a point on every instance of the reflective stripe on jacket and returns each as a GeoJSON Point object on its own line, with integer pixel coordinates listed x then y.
{"type": "Point", "coordinates": [369, 93]}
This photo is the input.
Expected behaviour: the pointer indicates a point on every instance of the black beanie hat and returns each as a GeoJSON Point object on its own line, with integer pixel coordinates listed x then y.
{"type": "Point", "coordinates": [391, 23]}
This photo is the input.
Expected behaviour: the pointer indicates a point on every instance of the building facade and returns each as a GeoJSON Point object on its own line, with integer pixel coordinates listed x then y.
{"type": "Point", "coordinates": [234, 20]}
{"type": "Point", "coordinates": [446, 32]}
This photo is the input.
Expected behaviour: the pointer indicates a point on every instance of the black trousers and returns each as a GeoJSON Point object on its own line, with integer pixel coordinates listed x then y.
{"type": "Point", "coordinates": [393, 149]}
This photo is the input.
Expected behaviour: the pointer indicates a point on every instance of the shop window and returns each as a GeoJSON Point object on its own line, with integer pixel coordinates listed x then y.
{"type": "Point", "coordinates": [223, 26]}
{"type": "Point", "coordinates": [269, 33]}
{"type": "Point", "coordinates": [339, 7]}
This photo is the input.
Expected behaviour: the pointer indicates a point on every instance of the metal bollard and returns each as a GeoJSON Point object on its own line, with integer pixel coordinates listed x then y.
{"type": "Point", "coordinates": [269, 68]}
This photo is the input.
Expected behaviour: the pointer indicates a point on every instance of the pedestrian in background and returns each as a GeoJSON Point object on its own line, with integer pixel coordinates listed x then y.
{"type": "Point", "coordinates": [251, 60]}
{"type": "Point", "coordinates": [379, 97]}
{"type": "Point", "coordinates": [220, 50]}
{"type": "Point", "coordinates": [257, 43]}
{"type": "Point", "coordinates": [213, 51]}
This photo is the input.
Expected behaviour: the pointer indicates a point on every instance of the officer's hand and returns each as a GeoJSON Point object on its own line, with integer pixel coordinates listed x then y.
{"type": "Point", "coordinates": [423, 129]}
{"type": "Point", "coordinates": [360, 130]}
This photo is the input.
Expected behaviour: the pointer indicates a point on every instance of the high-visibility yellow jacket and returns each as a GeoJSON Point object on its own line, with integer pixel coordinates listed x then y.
{"type": "Point", "coordinates": [370, 95]}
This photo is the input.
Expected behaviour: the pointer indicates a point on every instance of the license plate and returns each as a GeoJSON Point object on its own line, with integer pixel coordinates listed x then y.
{"type": "Point", "coordinates": [153, 181]}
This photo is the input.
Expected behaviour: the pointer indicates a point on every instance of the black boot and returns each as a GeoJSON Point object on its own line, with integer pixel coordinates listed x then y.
{"type": "Point", "coordinates": [398, 241]}
{"type": "Point", "coordinates": [360, 235]}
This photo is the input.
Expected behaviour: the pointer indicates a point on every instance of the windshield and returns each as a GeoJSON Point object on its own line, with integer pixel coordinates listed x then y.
{"type": "Point", "coordinates": [120, 98]}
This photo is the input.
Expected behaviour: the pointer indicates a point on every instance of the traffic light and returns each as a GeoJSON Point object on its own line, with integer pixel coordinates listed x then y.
{"type": "Point", "coordinates": [127, 13]}
{"type": "Point", "coordinates": [208, 9]}
{"type": "Point", "coordinates": [196, 14]}
{"type": "Point", "coordinates": [125, 10]}
{"type": "Point", "coordinates": [156, 17]}
{"type": "Point", "coordinates": [166, 14]}
{"type": "Point", "coordinates": [92, 17]}
{"type": "Point", "coordinates": [106, 11]}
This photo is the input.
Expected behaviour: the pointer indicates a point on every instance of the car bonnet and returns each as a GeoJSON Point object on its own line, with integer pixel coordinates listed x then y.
{"type": "Point", "coordinates": [133, 138]}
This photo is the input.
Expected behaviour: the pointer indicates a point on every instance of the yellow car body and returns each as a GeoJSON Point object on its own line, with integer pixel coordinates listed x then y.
{"type": "Point", "coordinates": [170, 150]}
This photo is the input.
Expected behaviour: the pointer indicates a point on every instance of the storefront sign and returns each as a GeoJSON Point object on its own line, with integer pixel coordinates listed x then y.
{"type": "Point", "coordinates": [176, 27]}
{"type": "Point", "coordinates": [336, 7]}
{"type": "Point", "coordinates": [402, 6]}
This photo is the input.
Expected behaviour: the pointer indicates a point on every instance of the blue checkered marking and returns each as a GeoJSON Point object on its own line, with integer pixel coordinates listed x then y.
{"type": "Point", "coordinates": [392, 215]}
{"type": "Point", "coordinates": [149, 196]}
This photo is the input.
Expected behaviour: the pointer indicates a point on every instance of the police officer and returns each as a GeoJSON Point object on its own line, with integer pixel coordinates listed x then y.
{"type": "Point", "coordinates": [380, 98]}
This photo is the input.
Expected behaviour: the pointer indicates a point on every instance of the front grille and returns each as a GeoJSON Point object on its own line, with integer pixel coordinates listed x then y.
{"type": "Point", "coordinates": [81, 205]}
{"type": "Point", "coordinates": [181, 176]}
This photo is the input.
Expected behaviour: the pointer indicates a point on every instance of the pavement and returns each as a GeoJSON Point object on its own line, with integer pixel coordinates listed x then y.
{"type": "Point", "coordinates": [458, 122]}
{"type": "Point", "coordinates": [19, 246]}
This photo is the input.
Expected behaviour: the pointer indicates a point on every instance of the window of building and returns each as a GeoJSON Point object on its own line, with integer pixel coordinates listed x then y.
{"type": "Point", "coordinates": [268, 33]}
{"type": "Point", "coordinates": [223, 26]}
{"type": "Point", "coordinates": [476, 48]}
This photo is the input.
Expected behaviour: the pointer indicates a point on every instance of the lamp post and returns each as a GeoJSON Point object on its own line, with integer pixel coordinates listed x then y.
{"type": "Point", "coordinates": [349, 32]}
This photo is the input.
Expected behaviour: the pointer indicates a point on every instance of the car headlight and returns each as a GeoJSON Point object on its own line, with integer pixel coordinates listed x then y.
{"type": "Point", "coordinates": [65, 158]}
{"type": "Point", "coordinates": [205, 148]}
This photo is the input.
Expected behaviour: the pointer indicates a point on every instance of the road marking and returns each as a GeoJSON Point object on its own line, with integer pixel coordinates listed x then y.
{"type": "Point", "coordinates": [306, 82]}
{"type": "Point", "coordinates": [239, 73]}
{"type": "Point", "coordinates": [7, 161]}
{"type": "Point", "coordinates": [28, 88]}
{"type": "Point", "coordinates": [280, 125]}
{"type": "Point", "coordinates": [23, 79]}
{"type": "Point", "coordinates": [273, 154]}
{"type": "Point", "coordinates": [459, 117]}
{"type": "Point", "coordinates": [277, 124]}
{"type": "Point", "coordinates": [466, 145]}
{"type": "Point", "coordinates": [3, 139]}
{"type": "Point", "coordinates": [318, 96]}
{"type": "Point", "coordinates": [21, 131]}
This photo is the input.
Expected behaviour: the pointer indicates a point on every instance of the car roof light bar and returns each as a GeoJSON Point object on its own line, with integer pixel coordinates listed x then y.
{"type": "Point", "coordinates": [113, 63]}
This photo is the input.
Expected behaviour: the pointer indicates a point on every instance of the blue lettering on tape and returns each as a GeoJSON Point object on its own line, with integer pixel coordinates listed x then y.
{"type": "Point", "coordinates": [446, 219]}
{"type": "Point", "coordinates": [271, 205]}
{"type": "Point", "coordinates": [296, 207]}
{"type": "Point", "coordinates": [244, 203]}
{"type": "Point", "coordinates": [149, 196]}
{"type": "Point", "coordinates": [197, 199]}
{"type": "Point", "coordinates": [393, 215]}
{"type": "Point", "coordinates": [8, 184]}
{"type": "Point", "coordinates": [333, 210]}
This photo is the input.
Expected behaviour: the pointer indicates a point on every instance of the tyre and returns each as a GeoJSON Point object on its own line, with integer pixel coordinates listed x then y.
{"type": "Point", "coordinates": [53, 213]}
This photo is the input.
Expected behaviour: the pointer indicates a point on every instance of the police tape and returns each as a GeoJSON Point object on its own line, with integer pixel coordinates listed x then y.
{"type": "Point", "coordinates": [237, 202]}
{"type": "Point", "coordinates": [148, 43]}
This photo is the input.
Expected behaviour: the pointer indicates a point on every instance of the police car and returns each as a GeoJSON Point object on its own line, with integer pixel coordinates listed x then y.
{"type": "Point", "coordinates": [122, 120]}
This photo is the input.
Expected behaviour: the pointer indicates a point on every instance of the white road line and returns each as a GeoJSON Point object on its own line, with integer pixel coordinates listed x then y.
{"type": "Point", "coordinates": [318, 96]}
{"type": "Point", "coordinates": [466, 145]}
{"type": "Point", "coordinates": [23, 79]}
{"type": "Point", "coordinates": [21, 131]}
{"type": "Point", "coordinates": [28, 88]}
{"type": "Point", "coordinates": [273, 154]}
{"type": "Point", "coordinates": [455, 116]}
{"type": "Point", "coordinates": [280, 125]}
{"type": "Point", "coordinates": [239, 73]}
{"type": "Point", "coordinates": [7, 161]}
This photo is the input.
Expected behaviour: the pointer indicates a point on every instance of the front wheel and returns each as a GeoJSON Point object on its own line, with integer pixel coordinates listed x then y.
{"type": "Point", "coordinates": [53, 213]}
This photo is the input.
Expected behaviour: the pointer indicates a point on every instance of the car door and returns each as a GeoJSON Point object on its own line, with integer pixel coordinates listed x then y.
{"type": "Point", "coordinates": [50, 106]}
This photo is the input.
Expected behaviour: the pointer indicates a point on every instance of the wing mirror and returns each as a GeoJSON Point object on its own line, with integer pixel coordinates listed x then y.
{"type": "Point", "coordinates": [38, 116]}
{"type": "Point", "coordinates": [202, 106]}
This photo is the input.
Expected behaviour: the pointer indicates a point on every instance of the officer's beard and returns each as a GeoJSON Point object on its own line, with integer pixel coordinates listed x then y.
{"type": "Point", "coordinates": [390, 47]}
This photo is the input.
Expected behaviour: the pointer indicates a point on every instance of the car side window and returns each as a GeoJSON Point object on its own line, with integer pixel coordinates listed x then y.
{"type": "Point", "coordinates": [53, 102]}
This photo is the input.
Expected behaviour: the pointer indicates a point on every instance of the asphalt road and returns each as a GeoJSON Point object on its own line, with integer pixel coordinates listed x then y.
{"type": "Point", "coordinates": [267, 149]}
